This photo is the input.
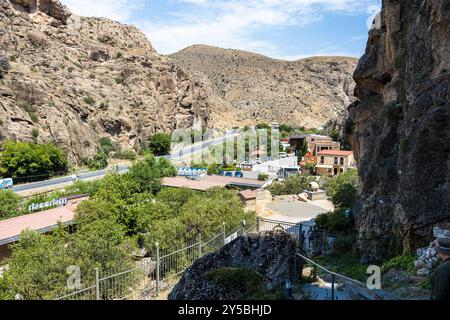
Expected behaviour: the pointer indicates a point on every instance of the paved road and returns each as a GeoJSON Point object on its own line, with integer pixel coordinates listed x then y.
{"type": "Point", "coordinates": [121, 169]}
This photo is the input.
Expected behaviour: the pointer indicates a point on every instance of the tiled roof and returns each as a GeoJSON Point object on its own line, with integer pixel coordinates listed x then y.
{"type": "Point", "coordinates": [208, 182]}
{"type": "Point", "coordinates": [341, 153]}
{"type": "Point", "coordinates": [42, 221]}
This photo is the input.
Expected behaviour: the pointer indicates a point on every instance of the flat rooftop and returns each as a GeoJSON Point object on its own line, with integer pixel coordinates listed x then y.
{"type": "Point", "coordinates": [208, 182]}
{"type": "Point", "coordinates": [43, 221]}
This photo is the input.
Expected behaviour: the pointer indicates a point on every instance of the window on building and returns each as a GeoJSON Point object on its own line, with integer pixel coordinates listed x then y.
{"type": "Point", "coordinates": [336, 160]}
{"type": "Point", "coordinates": [342, 161]}
{"type": "Point", "coordinates": [322, 160]}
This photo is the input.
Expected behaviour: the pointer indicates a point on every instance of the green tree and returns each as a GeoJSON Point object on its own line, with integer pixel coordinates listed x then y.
{"type": "Point", "coordinates": [205, 213]}
{"type": "Point", "coordinates": [343, 189]}
{"type": "Point", "coordinates": [291, 185]}
{"type": "Point", "coordinates": [38, 266]}
{"type": "Point", "coordinates": [9, 204]}
{"type": "Point", "coordinates": [149, 172]}
{"type": "Point", "coordinates": [26, 161]}
{"type": "Point", "coordinates": [302, 151]}
{"type": "Point", "coordinates": [159, 144]}
{"type": "Point", "coordinates": [175, 198]}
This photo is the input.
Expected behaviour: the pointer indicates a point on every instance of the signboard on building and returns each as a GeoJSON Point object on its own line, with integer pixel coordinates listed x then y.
{"type": "Point", "coordinates": [49, 204]}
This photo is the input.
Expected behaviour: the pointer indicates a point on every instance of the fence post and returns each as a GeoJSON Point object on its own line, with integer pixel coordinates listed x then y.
{"type": "Point", "coordinates": [97, 284]}
{"type": "Point", "coordinates": [224, 234]}
{"type": "Point", "coordinates": [257, 224]}
{"type": "Point", "coordinates": [199, 245]}
{"type": "Point", "coordinates": [332, 287]}
{"type": "Point", "coordinates": [158, 267]}
{"type": "Point", "coordinates": [243, 227]}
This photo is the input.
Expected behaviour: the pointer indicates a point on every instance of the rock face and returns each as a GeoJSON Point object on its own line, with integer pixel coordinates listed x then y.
{"type": "Point", "coordinates": [308, 92]}
{"type": "Point", "coordinates": [271, 254]}
{"type": "Point", "coordinates": [75, 80]}
{"type": "Point", "coordinates": [400, 128]}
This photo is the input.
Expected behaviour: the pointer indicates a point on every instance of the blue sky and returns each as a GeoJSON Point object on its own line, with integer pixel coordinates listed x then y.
{"type": "Point", "coordinates": [283, 29]}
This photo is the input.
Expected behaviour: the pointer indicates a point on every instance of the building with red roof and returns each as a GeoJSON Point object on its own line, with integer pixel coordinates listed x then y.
{"type": "Point", "coordinates": [334, 162]}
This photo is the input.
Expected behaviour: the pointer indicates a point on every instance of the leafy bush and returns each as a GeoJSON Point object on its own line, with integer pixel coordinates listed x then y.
{"type": "Point", "coordinates": [9, 204]}
{"type": "Point", "coordinates": [30, 109]}
{"type": "Point", "coordinates": [263, 177]}
{"type": "Point", "coordinates": [343, 189]}
{"type": "Point", "coordinates": [89, 100]}
{"type": "Point", "coordinates": [346, 264]}
{"type": "Point", "coordinates": [38, 265]}
{"type": "Point", "coordinates": [26, 161]}
{"type": "Point", "coordinates": [83, 187]}
{"type": "Point", "coordinates": [98, 162]}
{"type": "Point", "coordinates": [159, 144]}
{"type": "Point", "coordinates": [291, 185]}
{"type": "Point", "coordinates": [333, 221]}
{"type": "Point", "coordinates": [344, 244]}
{"type": "Point", "coordinates": [127, 155]}
{"type": "Point", "coordinates": [403, 262]}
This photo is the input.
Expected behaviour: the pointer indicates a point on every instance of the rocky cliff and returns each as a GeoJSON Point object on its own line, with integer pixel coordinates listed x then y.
{"type": "Point", "coordinates": [400, 128]}
{"type": "Point", "coordinates": [308, 92]}
{"type": "Point", "coordinates": [73, 80]}
{"type": "Point", "coordinates": [250, 267]}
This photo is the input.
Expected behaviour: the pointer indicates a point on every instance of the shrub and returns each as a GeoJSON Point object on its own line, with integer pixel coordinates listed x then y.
{"type": "Point", "coordinates": [344, 244]}
{"type": "Point", "coordinates": [343, 189]}
{"type": "Point", "coordinates": [25, 161]}
{"type": "Point", "coordinates": [118, 80]}
{"type": "Point", "coordinates": [9, 204]}
{"type": "Point", "coordinates": [35, 133]}
{"type": "Point", "coordinates": [98, 162]}
{"type": "Point", "coordinates": [83, 187]}
{"type": "Point", "coordinates": [89, 100]}
{"type": "Point", "coordinates": [127, 155]}
{"type": "Point", "coordinates": [159, 144]}
{"type": "Point", "coordinates": [291, 185]}
{"type": "Point", "coordinates": [403, 262]}
{"type": "Point", "coordinates": [107, 146]}
{"type": "Point", "coordinates": [4, 65]}
{"type": "Point", "coordinates": [30, 109]}
{"type": "Point", "coordinates": [212, 169]}
{"type": "Point", "coordinates": [263, 177]}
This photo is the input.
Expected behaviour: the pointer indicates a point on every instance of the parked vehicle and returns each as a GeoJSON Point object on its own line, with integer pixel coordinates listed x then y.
{"type": "Point", "coordinates": [6, 183]}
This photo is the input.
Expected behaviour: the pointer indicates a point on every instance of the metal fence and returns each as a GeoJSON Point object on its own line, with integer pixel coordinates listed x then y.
{"type": "Point", "coordinates": [354, 289]}
{"type": "Point", "coordinates": [156, 274]}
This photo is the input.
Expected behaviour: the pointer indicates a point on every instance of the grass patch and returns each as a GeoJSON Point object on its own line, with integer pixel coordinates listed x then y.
{"type": "Point", "coordinates": [403, 262]}
{"type": "Point", "coordinates": [89, 100]}
{"type": "Point", "coordinates": [251, 282]}
{"type": "Point", "coordinates": [30, 109]}
{"type": "Point", "coordinates": [347, 265]}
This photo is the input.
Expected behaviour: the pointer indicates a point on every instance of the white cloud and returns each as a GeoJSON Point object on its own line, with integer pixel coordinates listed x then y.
{"type": "Point", "coordinates": [224, 23]}
{"type": "Point", "coordinates": [236, 24]}
{"type": "Point", "coordinates": [119, 10]}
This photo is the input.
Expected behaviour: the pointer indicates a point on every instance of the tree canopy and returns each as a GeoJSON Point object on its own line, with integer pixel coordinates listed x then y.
{"type": "Point", "coordinates": [160, 144]}
{"type": "Point", "coordinates": [27, 161]}
{"type": "Point", "coordinates": [343, 189]}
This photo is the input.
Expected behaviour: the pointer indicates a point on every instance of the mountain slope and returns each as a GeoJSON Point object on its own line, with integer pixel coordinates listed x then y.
{"type": "Point", "coordinates": [307, 92]}
{"type": "Point", "coordinates": [74, 80]}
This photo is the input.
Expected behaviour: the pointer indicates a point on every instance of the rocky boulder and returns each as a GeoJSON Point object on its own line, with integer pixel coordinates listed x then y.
{"type": "Point", "coordinates": [400, 127]}
{"type": "Point", "coordinates": [264, 261]}
{"type": "Point", "coordinates": [52, 8]}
